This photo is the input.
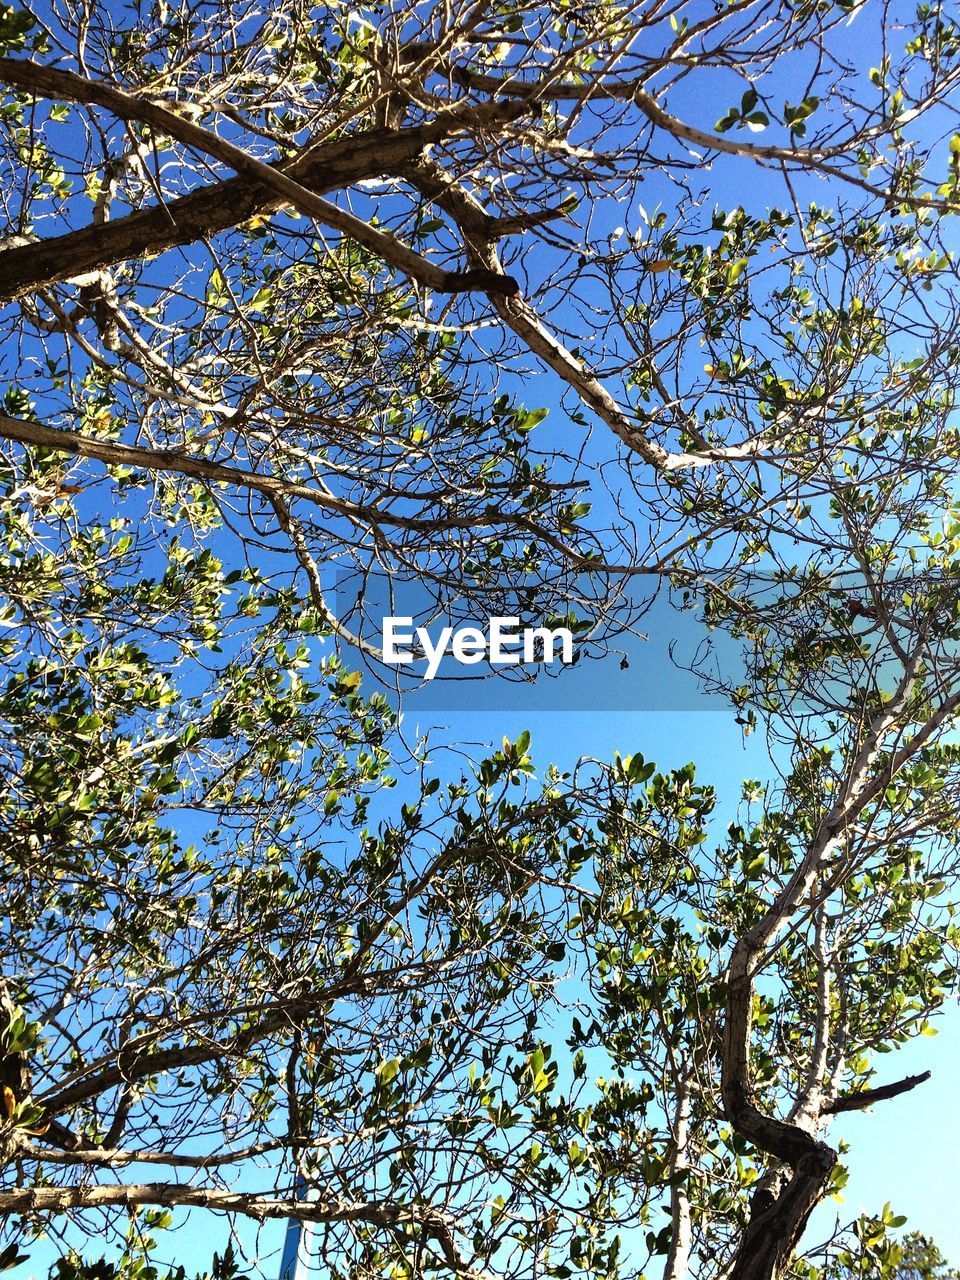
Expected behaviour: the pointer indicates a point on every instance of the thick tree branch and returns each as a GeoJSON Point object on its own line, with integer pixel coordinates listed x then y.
{"type": "Point", "coordinates": [677, 1264]}
{"type": "Point", "coordinates": [867, 1097]}
{"type": "Point", "coordinates": [68, 87]}
{"type": "Point", "coordinates": [211, 209]}
{"type": "Point", "coordinates": [777, 1223]}
{"type": "Point", "coordinates": [426, 1221]}
{"type": "Point", "coordinates": [170, 1194]}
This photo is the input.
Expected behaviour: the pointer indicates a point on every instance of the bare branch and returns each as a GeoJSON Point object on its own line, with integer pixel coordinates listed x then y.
{"type": "Point", "coordinates": [867, 1097]}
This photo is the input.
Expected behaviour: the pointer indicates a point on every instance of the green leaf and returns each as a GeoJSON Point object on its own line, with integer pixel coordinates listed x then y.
{"type": "Point", "coordinates": [735, 270]}
{"type": "Point", "coordinates": [387, 1070]}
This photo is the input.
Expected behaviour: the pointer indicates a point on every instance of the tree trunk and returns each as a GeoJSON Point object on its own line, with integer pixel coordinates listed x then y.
{"type": "Point", "coordinates": [776, 1224]}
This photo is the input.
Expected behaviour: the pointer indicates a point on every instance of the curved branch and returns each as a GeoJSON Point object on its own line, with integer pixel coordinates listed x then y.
{"type": "Point", "coordinates": [777, 1223]}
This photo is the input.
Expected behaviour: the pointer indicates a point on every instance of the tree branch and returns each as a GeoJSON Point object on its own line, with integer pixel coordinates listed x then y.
{"type": "Point", "coordinates": [867, 1097]}
{"type": "Point", "coordinates": [259, 188]}
{"type": "Point", "coordinates": [251, 1204]}
{"type": "Point", "coordinates": [113, 454]}
{"type": "Point", "coordinates": [527, 325]}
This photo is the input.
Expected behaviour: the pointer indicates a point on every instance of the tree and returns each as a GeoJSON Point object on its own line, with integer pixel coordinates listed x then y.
{"type": "Point", "coordinates": [916, 1258]}
{"type": "Point", "coordinates": [275, 277]}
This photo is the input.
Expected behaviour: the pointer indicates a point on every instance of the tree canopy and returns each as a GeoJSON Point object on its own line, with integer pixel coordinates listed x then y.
{"type": "Point", "coordinates": [532, 309]}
